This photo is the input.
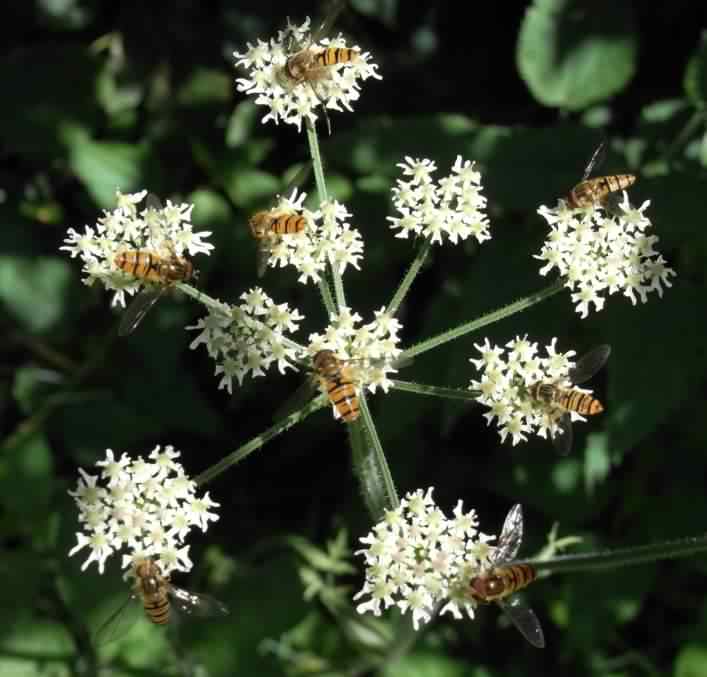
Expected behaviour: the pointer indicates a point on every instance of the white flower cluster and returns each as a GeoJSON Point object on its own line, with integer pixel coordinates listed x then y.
{"type": "Point", "coordinates": [292, 100]}
{"type": "Point", "coordinates": [417, 558]}
{"type": "Point", "coordinates": [166, 231]}
{"type": "Point", "coordinates": [599, 252]}
{"type": "Point", "coordinates": [505, 382]}
{"type": "Point", "coordinates": [451, 209]}
{"type": "Point", "coordinates": [248, 338]}
{"type": "Point", "coordinates": [326, 237]}
{"type": "Point", "coordinates": [144, 507]}
{"type": "Point", "coordinates": [371, 350]}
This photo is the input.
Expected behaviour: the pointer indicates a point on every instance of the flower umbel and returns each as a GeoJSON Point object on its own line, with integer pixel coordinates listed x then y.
{"type": "Point", "coordinates": [417, 558]}
{"type": "Point", "coordinates": [599, 252]}
{"type": "Point", "coordinates": [289, 74]}
{"type": "Point", "coordinates": [370, 350]}
{"type": "Point", "coordinates": [165, 231]}
{"type": "Point", "coordinates": [451, 209]}
{"type": "Point", "coordinates": [144, 508]}
{"type": "Point", "coordinates": [327, 236]}
{"type": "Point", "coordinates": [509, 383]}
{"type": "Point", "coordinates": [248, 338]}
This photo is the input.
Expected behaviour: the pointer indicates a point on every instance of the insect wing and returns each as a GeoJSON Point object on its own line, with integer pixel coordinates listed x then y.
{"type": "Point", "coordinates": [138, 308]}
{"type": "Point", "coordinates": [153, 202]}
{"type": "Point", "coordinates": [524, 619]}
{"type": "Point", "coordinates": [196, 605]}
{"type": "Point", "coordinates": [262, 254]}
{"type": "Point", "coordinates": [596, 160]}
{"type": "Point", "coordinates": [119, 622]}
{"type": "Point", "coordinates": [305, 391]}
{"type": "Point", "coordinates": [335, 8]}
{"type": "Point", "coordinates": [511, 536]}
{"type": "Point", "coordinates": [590, 364]}
{"type": "Point", "coordinates": [562, 439]}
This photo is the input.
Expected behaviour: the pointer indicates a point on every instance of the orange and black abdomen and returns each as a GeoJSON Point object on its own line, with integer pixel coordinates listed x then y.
{"type": "Point", "coordinates": [501, 582]}
{"type": "Point", "coordinates": [150, 266]}
{"type": "Point", "coordinates": [583, 403]}
{"type": "Point", "coordinates": [157, 605]}
{"type": "Point", "coordinates": [588, 192]}
{"type": "Point", "coordinates": [338, 386]}
{"type": "Point", "coordinates": [287, 224]}
{"type": "Point", "coordinates": [333, 55]}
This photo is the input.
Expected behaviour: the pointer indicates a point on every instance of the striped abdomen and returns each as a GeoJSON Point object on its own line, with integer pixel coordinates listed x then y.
{"type": "Point", "coordinates": [589, 192]}
{"type": "Point", "coordinates": [501, 582]}
{"type": "Point", "coordinates": [288, 224]}
{"type": "Point", "coordinates": [333, 55]}
{"type": "Point", "coordinates": [152, 267]}
{"type": "Point", "coordinates": [153, 587]}
{"type": "Point", "coordinates": [569, 399]}
{"type": "Point", "coordinates": [337, 384]}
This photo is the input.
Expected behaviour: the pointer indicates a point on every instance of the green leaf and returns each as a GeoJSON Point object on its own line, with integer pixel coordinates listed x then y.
{"type": "Point", "coordinates": [695, 80]}
{"type": "Point", "coordinates": [691, 661]}
{"type": "Point", "coordinates": [32, 385]}
{"type": "Point", "coordinates": [424, 664]}
{"type": "Point", "coordinates": [106, 166]}
{"type": "Point", "coordinates": [318, 558]}
{"type": "Point", "coordinates": [34, 290]}
{"type": "Point", "coordinates": [205, 86]}
{"type": "Point", "coordinates": [574, 55]}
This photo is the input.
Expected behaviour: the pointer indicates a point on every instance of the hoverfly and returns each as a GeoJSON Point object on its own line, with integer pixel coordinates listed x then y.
{"type": "Point", "coordinates": [160, 599]}
{"type": "Point", "coordinates": [269, 225]}
{"type": "Point", "coordinates": [503, 579]}
{"type": "Point", "coordinates": [336, 381]}
{"type": "Point", "coordinates": [312, 65]}
{"type": "Point", "coordinates": [154, 267]}
{"type": "Point", "coordinates": [596, 190]}
{"type": "Point", "coordinates": [561, 401]}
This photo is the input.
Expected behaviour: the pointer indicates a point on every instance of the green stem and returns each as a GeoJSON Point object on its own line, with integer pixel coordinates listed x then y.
{"type": "Point", "coordinates": [410, 275]}
{"type": "Point", "coordinates": [622, 557]}
{"type": "Point", "coordinates": [490, 318]}
{"type": "Point", "coordinates": [435, 391]}
{"type": "Point", "coordinates": [319, 179]}
{"type": "Point", "coordinates": [381, 463]}
{"type": "Point", "coordinates": [695, 120]}
{"type": "Point", "coordinates": [257, 442]}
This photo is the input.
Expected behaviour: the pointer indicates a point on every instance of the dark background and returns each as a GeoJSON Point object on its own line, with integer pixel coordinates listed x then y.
{"type": "Point", "coordinates": [99, 95]}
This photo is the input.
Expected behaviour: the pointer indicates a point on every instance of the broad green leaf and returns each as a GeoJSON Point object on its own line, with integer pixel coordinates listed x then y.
{"type": "Point", "coordinates": [572, 55]}
{"type": "Point", "coordinates": [32, 385]}
{"type": "Point", "coordinates": [205, 86]}
{"type": "Point", "coordinates": [34, 290]}
{"type": "Point", "coordinates": [691, 661]}
{"type": "Point", "coordinates": [106, 166]}
{"type": "Point", "coordinates": [427, 664]}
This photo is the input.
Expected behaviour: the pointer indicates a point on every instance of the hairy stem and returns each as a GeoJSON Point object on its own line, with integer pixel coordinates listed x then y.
{"type": "Point", "coordinates": [412, 271]}
{"type": "Point", "coordinates": [490, 318]}
{"type": "Point", "coordinates": [319, 179]}
{"type": "Point", "coordinates": [257, 442]}
{"type": "Point", "coordinates": [612, 559]}
{"type": "Point", "coordinates": [435, 391]}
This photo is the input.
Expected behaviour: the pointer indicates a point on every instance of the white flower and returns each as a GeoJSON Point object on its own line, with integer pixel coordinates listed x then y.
{"type": "Point", "coordinates": [418, 559]}
{"type": "Point", "coordinates": [601, 252]}
{"type": "Point", "coordinates": [248, 338]}
{"type": "Point", "coordinates": [147, 508]}
{"type": "Point", "coordinates": [166, 231]}
{"type": "Point", "coordinates": [505, 388]}
{"type": "Point", "coordinates": [370, 351]}
{"type": "Point", "coordinates": [452, 210]}
{"type": "Point", "coordinates": [327, 237]}
{"type": "Point", "coordinates": [283, 74]}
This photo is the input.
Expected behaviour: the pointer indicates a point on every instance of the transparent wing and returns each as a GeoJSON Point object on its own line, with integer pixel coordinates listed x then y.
{"type": "Point", "coordinates": [596, 160]}
{"type": "Point", "coordinates": [590, 364]}
{"type": "Point", "coordinates": [335, 8]}
{"type": "Point", "coordinates": [511, 536]}
{"type": "Point", "coordinates": [138, 308]}
{"type": "Point", "coordinates": [524, 619]}
{"type": "Point", "coordinates": [262, 254]}
{"type": "Point", "coordinates": [563, 441]}
{"type": "Point", "coordinates": [119, 622]}
{"type": "Point", "coordinates": [298, 180]}
{"type": "Point", "coordinates": [153, 202]}
{"type": "Point", "coordinates": [297, 400]}
{"type": "Point", "coordinates": [192, 604]}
